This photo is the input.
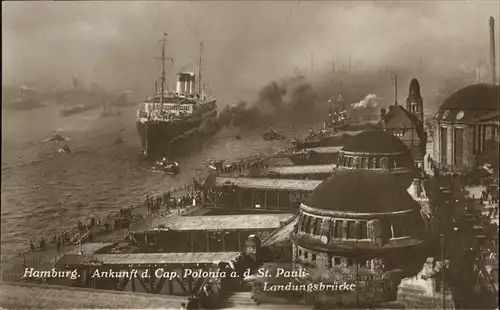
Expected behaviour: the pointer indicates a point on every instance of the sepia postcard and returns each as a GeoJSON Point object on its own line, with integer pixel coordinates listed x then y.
{"type": "Point", "coordinates": [250, 155]}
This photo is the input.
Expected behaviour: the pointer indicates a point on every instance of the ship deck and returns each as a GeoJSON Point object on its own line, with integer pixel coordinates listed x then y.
{"type": "Point", "coordinates": [268, 184]}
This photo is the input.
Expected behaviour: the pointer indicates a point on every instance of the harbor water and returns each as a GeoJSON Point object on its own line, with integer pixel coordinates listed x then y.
{"type": "Point", "coordinates": [46, 192]}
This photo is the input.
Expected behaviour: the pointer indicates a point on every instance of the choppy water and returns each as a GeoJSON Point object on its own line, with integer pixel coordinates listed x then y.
{"type": "Point", "coordinates": [45, 192]}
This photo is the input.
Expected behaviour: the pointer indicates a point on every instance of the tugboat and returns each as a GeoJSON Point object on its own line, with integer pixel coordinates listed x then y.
{"type": "Point", "coordinates": [337, 119]}
{"type": "Point", "coordinates": [168, 114]}
{"type": "Point", "coordinates": [271, 134]}
{"type": "Point", "coordinates": [167, 167]}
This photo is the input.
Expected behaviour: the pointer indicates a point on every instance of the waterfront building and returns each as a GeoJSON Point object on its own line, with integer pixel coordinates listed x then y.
{"type": "Point", "coordinates": [378, 150]}
{"type": "Point", "coordinates": [466, 129]}
{"type": "Point", "coordinates": [408, 123]}
{"type": "Point", "coordinates": [355, 226]}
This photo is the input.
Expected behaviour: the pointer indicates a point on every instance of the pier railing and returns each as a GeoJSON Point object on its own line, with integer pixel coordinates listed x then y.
{"type": "Point", "coordinates": [77, 235]}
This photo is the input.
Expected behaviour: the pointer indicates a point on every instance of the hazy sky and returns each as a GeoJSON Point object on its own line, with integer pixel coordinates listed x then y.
{"type": "Point", "coordinates": [247, 44]}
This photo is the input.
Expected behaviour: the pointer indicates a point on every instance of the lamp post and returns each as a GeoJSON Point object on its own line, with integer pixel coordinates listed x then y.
{"type": "Point", "coordinates": [442, 271]}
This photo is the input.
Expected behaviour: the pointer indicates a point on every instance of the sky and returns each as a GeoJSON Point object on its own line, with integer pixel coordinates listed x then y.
{"type": "Point", "coordinates": [246, 44]}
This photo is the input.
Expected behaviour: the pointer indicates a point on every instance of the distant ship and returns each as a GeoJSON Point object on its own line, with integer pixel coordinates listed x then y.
{"type": "Point", "coordinates": [27, 98]}
{"type": "Point", "coordinates": [79, 99]}
{"type": "Point", "coordinates": [168, 114]}
{"type": "Point", "coordinates": [337, 121]}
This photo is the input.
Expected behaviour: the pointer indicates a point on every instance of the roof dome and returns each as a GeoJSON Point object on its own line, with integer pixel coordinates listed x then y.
{"type": "Point", "coordinates": [375, 141]}
{"type": "Point", "coordinates": [474, 97]}
{"type": "Point", "coordinates": [361, 191]}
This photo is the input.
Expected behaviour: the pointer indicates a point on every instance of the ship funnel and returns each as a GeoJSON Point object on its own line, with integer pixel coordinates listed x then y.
{"type": "Point", "coordinates": [192, 84]}
{"type": "Point", "coordinates": [186, 83]}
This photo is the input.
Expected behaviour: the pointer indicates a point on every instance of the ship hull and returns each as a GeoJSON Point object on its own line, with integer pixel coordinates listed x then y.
{"type": "Point", "coordinates": [156, 136]}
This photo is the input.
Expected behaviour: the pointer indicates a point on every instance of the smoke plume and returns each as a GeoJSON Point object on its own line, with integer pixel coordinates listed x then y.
{"type": "Point", "coordinates": [368, 102]}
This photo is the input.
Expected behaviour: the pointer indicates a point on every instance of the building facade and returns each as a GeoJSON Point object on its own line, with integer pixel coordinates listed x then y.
{"type": "Point", "coordinates": [378, 150]}
{"type": "Point", "coordinates": [408, 124]}
{"type": "Point", "coordinates": [466, 128]}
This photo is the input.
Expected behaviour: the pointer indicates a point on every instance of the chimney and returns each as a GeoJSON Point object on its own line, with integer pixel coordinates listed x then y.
{"type": "Point", "coordinates": [492, 50]}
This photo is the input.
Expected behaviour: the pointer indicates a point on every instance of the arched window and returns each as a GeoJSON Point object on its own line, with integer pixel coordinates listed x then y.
{"type": "Point", "coordinates": [357, 162]}
{"type": "Point", "coordinates": [317, 227]}
{"type": "Point", "coordinates": [384, 163]}
{"type": "Point", "coordinates": [307, 225]}
{"type": "Point", "coordinates": [350, 162]}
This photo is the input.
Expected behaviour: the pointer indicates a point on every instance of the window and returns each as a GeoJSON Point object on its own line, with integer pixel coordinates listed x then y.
{"type": "Point", "coordinates": [351, 262]}
{"type": "Point", "coordinates": [444, 145]}
{"type": "Point", "coordinates": [338, 229]}
{"type": "Point", "coordinates": [317, 227]}
{"type": "Point", "coordinates": [357, 162]}
{"type": "Point", "coordinates": [386, 229]}
{"type": "Point", "coordinates": [350, 162]}
{"type": "Point", "coordinates": [336, 261]}
{"type": "Point", "coordinates": [459, 147]}
{"type": "Point", "coordinates": [330, 258]}
{"type": "Point", "coordinates": [313, 258]}
{"type": "Point", "coordinates": [397, 228]}
{"type": "Point", "coordinates": [377, 162]}
{"type": "Point", "coordinates": [362, 230]}
{"type": "Point", "coordinates": [383, 163]}
{"type": "Point", "coordinates": [390, 163]}
{"type": "Point", "coordinates": [351, 230]}
{"type": "Point", "coordinates": [306, 254]}
{"type": "Point", "coordinates": [307, 222]}
{"type": "Point", "coordinates": [364, 163]}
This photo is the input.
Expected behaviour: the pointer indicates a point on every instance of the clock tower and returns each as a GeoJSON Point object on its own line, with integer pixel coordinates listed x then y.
{"type": "Point", "coordinates": [414, 102]}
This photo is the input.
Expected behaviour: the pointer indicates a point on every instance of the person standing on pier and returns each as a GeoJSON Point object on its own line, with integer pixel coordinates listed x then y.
{"type": "Point", "coordinates": [32, 246]}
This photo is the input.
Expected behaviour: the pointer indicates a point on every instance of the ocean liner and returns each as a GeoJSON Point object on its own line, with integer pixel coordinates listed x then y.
{"type": "Point", "coordinates": [169, 114]}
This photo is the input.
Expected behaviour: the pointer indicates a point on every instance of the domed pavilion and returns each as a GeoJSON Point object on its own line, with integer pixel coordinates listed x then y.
{"type": "Point", "coordinates": [378, 150]}
{"type": "Point", "coordinates": [359, 218]}
{"type": "Point", "coordinates": [465, 132]}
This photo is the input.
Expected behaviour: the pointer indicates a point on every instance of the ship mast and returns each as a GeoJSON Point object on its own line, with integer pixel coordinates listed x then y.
{"type": "Point", "coordinates": [162, 58]}
{"type": "Point", "coordinates": [200, 85]}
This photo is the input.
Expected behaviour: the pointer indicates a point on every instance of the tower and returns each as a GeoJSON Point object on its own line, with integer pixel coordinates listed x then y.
{"type": "Point", "coordinates": [414, 102]}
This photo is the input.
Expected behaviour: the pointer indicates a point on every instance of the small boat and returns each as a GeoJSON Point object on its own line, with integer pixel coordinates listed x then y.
{"type": "Point", "coordinates": [172, 168]}
{"type": "Point", "coordinates": [168, 168]}
{"type": "Point", "coordinates": [272, 134]}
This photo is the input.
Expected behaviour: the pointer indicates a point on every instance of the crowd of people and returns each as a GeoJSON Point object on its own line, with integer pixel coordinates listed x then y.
{"type": "Point", "coordinates": [191, 198]}
{"type": "Point", "coordinates": [124, 219]}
